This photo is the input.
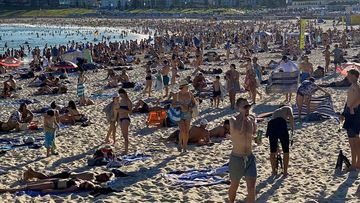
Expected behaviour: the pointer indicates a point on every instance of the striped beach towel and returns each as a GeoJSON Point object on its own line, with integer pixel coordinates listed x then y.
{"type": "Point", "coordinates": [320, 105]}
{"type": "Point", "coordinates": [283, 82]}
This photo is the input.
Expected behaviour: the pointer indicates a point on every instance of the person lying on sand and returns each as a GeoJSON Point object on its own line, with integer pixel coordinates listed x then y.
{"type": "Point", "coordinates": [197, 134]}
{"type": "Point", "coordinates": [221, 131]}
{"type": "Point", "coordinates": [30, 174]}
{"type": "Point", "coordinates": [9, 126]}
{"type": "Point", "coordinates": [55, 186]}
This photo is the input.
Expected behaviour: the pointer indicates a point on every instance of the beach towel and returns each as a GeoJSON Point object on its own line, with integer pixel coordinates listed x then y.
{"type": "Point", "coordinates": [322, 106]}
{"type": "Point", "coordinates": [129, 159]}
{"type": "Point", "coordinates": [33, 193]}
{"type": "Point", "coordinates": [159, 84]}
{"type": "Point", "coordinates": [197, 178]}
{"type": "Point", "coordinates": [283, 82]}
{"type": "Point", "coordinates": [101, 96]}
{"type": "Point", "coordinates": [19, 101]}
{"type": "Point", "coordinates": [80, 91]}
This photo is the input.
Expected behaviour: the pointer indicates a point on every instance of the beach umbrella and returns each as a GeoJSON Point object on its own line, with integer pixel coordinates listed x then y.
{"type": "Point", "coordinates": [10, 62]}
{"type": "Point", "coordinates": [64, 65]}
{"type": "Point", "coordinates": [344, 68]}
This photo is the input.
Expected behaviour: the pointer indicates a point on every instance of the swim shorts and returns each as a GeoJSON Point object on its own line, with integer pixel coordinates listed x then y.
{"type": "Point", "coordinates": [49, 139]}
{"type": "Point", "coordinates": [240, 166]}
{"type": "Point", "coordinates": [277, 130]}
{"type": "Point", "coordinates": [166, 80]}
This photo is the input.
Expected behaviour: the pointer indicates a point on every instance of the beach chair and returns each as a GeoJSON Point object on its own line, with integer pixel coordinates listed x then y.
{"type": "Point", "coordinates": [283, 82]}
{"type": "Point", "coordinates": [156, 118]}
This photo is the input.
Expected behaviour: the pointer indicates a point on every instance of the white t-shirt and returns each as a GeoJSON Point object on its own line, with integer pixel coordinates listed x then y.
{"type": "Point", "coordinates": [287, 67]}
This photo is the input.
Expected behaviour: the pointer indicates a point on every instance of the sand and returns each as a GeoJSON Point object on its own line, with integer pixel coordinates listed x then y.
{"type": "Point", "coordinates": [312, 160]}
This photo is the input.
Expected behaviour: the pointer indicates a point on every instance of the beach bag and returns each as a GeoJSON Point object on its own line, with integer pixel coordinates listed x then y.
{"type": "Point", "coordinates": [108, 111]}
{"type": "Point", "coordinates": [195, 111]}
{"type": "Point", "coordinates": [174, 114]}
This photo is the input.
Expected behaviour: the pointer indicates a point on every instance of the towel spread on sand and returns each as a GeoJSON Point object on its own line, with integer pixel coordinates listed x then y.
{"type": "Point", "coordinates": [19, 101]}
{"type": "Point", "coordinates": [127, 160]}
{"type": "Point", "coordinates": [319, 105]}
{"type": "Point", "coordinates": [12, 143]}
{"type": "Point", "coordinates": [33, 193]}
{"type": "Point", "coordinates": [197, 178]}
{"type": "Point", "coordinates": [101, 96]}
{"type": "Point", "coordinates": [283, 82]}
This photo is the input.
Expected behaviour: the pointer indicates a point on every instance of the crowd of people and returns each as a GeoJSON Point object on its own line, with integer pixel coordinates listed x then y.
{"type": "Point", "coordinates": [179, 46]}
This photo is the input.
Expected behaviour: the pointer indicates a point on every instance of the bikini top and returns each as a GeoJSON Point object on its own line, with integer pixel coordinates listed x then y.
{"type": "Point", "coordinates": [184, 102]}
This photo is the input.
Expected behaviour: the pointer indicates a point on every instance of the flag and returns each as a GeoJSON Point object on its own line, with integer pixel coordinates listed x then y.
{"type": "Point", "coordinates": [302, 33]}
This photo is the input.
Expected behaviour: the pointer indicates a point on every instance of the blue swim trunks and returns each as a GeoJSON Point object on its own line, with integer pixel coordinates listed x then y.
{"type": "Point", "coordinates": [49, 139]}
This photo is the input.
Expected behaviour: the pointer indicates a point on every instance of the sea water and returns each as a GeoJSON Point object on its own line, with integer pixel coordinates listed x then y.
{"type": "Point", "coordinates": [16, 35]}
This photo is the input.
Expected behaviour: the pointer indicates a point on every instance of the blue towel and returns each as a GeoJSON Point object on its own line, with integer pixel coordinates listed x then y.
{"type": "Point", "coordinates": [33, 193]}
{"type": "Point", "coordinates": [197, 178]}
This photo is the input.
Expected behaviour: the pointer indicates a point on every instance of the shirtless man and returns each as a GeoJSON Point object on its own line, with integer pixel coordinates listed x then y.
{"type": "Point", "coordinates": [242, 161]}
{"type": "Point", "coordinates": [10, 84]}
{"type": "Point", "coordinates": [221, 131]}
{"type": "Point", "coordinates": [197, 134]}
{"type": "Point", "coordinates": [306, 68]}
{"type": "Point", "coordinates": [351, 115]}
{"type": "Point", "coordinates": [216, 91]}
{"type": "Point", "coordinates": [166, 79]}
{"type": "Point", "coordinates": [233, 84]}
{"type": "Point", "coordinates": [277, 129]}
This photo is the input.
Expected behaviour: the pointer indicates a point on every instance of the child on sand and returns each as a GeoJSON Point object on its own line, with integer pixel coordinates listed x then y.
{"type": "Point", "coordinates": [216, 91]}
{"type": "Point", "coordinates": [50, 126]}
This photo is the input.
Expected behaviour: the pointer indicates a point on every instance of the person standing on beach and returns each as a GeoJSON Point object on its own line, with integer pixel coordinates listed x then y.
{"type": "Point", "coordinates": [233, 84]}
{"type": "Point", "coordinates": [306, 69]}
{"type": "Point", "coordinates": [327, 55]}
{"type": "Point", "coordinates": [50, 126]}
{"type": "Point", "coordinates": [124, 117]}
{"type": "Point", "coordinates": [250, 80]}
{"type": "Point", "coordinates": [351, 115]}
{"type": "Point", "coordinates": [287, 66]}
{"type": "Point", "coordinates": [81, 88]}
{"type": "Point", "coordinates": [166, 79]}
{"type": "Point", "coordinates": [277, 129]}
{"type": "Point", "coordinates": [338, 56]}
{"type": "Point", "coordinates": [216, 91]}
{"type": "Point", "coordinates": [242, 161]}
{"type": "Point", "coordinates": [184, 100]}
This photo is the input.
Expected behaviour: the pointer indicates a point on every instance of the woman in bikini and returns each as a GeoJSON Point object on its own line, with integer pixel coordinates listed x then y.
{"type": "Point", "coordinates": [124, 119]}
{"type": "Point", "coordinates": [185, 101]}
{"type": "Point", "coordinates": [148, 84]}
{"type": "Point", "coordinates": [72, 116]}
{"type": "Point", "coordinates": [55, 185]}
{"type": "Point", "coordinates": [114, 118]}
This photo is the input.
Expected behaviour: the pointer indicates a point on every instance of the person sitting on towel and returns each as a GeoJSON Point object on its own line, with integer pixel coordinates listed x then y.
{"type": "Point", "coordinates": [197, 134]}
{"type": "Point", "coordinates": [304, 92]}
{"type": "Point", "coordinates": [199, 82]}
{"type": "Point", "coordinates": [221, 131]}
{"type": "Point", "coordinates": [277, 129]}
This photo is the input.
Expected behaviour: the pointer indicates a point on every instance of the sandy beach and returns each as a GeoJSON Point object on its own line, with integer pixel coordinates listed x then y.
{"type": "Point", "coordinates": [313, 156]}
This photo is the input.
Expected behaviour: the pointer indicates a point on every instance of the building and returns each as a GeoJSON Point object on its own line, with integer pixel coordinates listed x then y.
{"type": "Point", "coordinates": [320, 3]}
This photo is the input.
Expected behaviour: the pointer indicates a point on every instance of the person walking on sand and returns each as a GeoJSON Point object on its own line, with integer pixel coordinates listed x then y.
{"type": "Point", "coordinates": [242, 161]}
{"type": "Point", "coordinates": [233, 84]}
{"type": "Point", "coordinates": [327, 55]}
{"type": "Point", "coordinates": [277, 129]}
{"type": "Point", "coordinates": [351, 115]}
{"type": "Point", "coordinates": [124, 117]}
